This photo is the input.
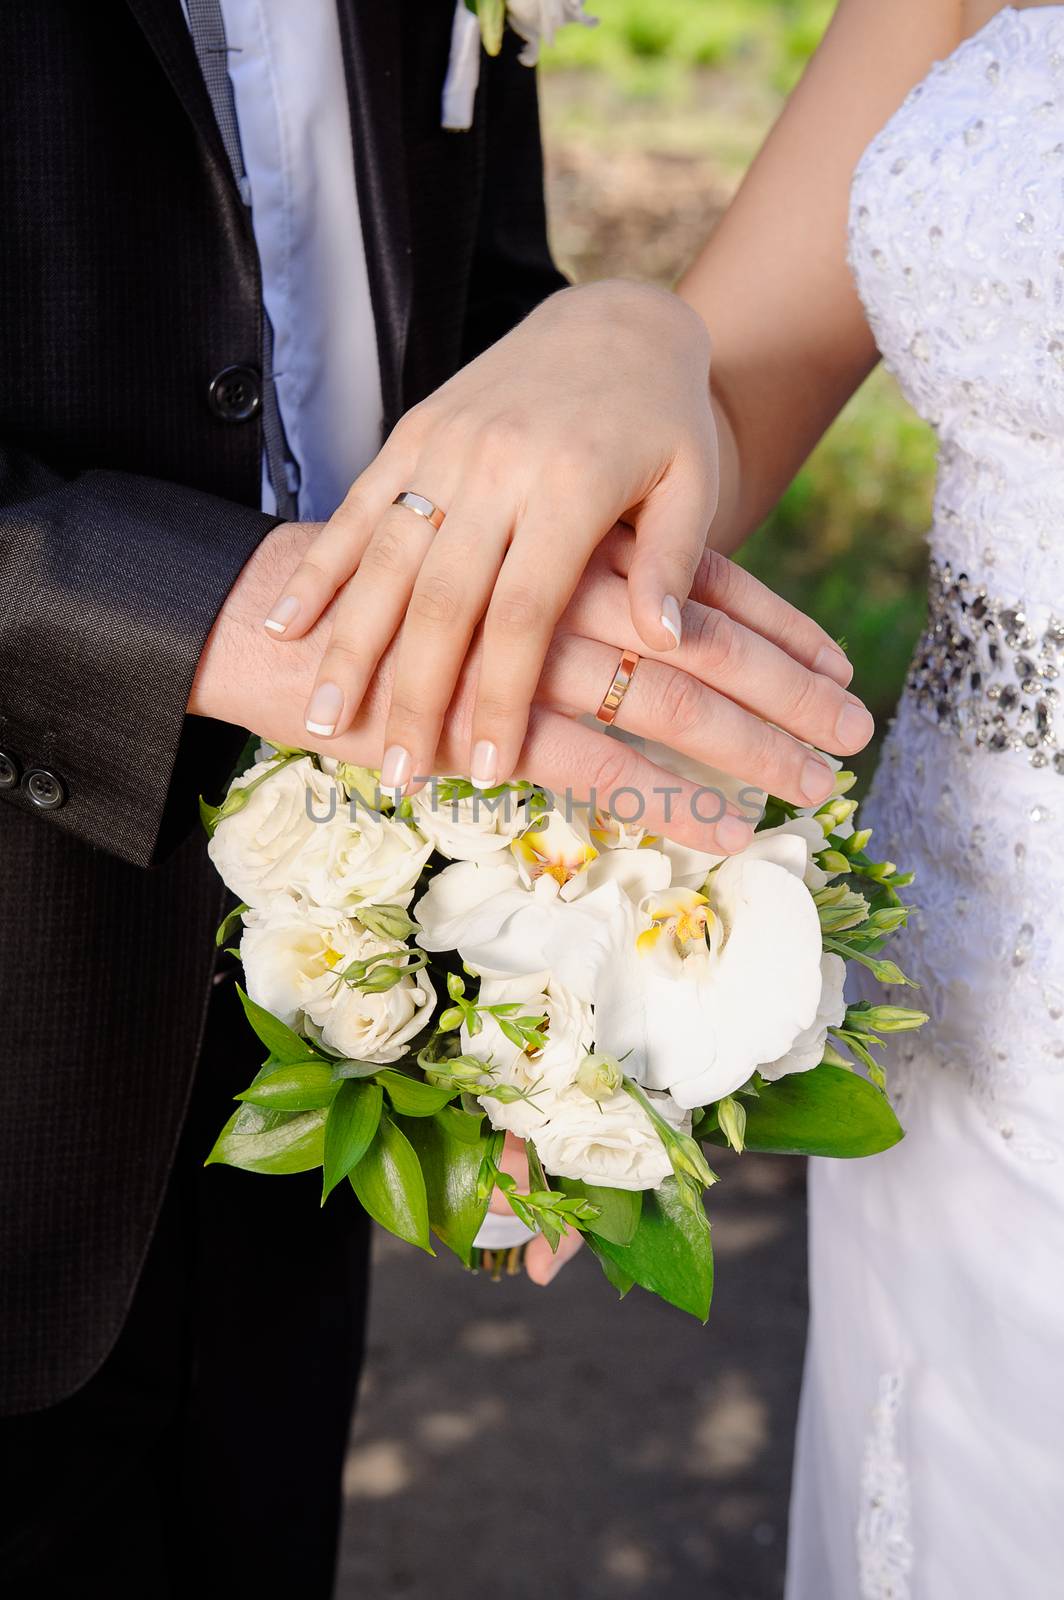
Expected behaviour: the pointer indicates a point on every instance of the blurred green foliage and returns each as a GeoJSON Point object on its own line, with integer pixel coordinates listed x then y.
{"type": "Point", "coordinates": [846, 542]}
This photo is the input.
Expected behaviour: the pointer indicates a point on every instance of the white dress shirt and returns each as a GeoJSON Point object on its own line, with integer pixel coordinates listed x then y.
{"type": "Point", "coordinates": [287, 71]}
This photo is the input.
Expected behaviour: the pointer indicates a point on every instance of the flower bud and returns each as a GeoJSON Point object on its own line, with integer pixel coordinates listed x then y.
{"type": "Point", "coordinates": [890, 1019]}
{"type": "Point", "coordinates": [599, 1076]}
{"type": "Point", "coordinates": [732, 1118]}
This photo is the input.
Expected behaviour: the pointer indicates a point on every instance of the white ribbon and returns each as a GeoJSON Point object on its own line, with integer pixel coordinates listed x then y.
{"type": "Point", "coordinates": [501, 1230]}
{"type": "Point", "coordinates": [463, 71]}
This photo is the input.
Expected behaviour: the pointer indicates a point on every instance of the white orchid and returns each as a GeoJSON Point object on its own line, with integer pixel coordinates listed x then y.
{"type": "Point", "coordinates": [552, 901]}
{"type": "Point", "coordinates": [807, 1051]}
{"type": "Point", "coordinates": [704, 987]}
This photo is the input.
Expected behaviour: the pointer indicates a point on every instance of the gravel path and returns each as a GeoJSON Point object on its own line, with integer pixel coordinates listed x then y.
{"type": "Point", "coordinates": [557, 1445]}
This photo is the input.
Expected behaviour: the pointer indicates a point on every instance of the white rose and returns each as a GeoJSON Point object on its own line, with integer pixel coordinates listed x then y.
{"type": "Point", "coordinates": [537, 21]}
{"type": "Point", "coordinates": [256, 849]}
{"type": "Point", "coordinates": [361, 858]}
{"type": "Point", "coordinates": [612, 1143]}
{"type": "Point", "coordinates": [470, 829]}
{"type": "Point", "coordinates": [808, 1049]}
{"type": "Point", "coordinates": [294, 956]}
{"type": "Point", "coordinates": [569, 1031]}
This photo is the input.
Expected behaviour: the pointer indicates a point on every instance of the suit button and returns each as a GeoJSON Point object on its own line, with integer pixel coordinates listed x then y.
{"type": "Point", "coordinates": [235, 394]}
{"type": "Point", "coordinates": [44, 789]}
{"type": "Point", "coordinates": [8, 771]}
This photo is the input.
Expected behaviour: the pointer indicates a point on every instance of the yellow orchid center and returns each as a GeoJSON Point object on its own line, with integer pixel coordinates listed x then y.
{"type": "Point", "coordinates": [553, 851]}
{"type": "Point", "coordinates": [682, 915]}
{"type": "Point", "coordinates": [331, 958]}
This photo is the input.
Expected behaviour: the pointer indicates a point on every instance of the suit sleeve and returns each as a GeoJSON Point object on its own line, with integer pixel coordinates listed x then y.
{"type": "Point", "coordinates": [109, 585]}
{"type": "Point", "coordinates": [512, 267]}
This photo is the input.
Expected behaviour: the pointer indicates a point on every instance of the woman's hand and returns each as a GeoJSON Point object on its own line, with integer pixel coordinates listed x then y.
{"type": "Point", "coordinates": [541, 1262]}
{"type": "Point", "coordinates": [708, 699]}
{"type": "Point", "coordinates": [594, 408]}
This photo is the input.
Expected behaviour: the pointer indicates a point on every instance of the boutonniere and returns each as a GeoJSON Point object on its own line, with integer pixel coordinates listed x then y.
{"type": "Point", "coordinates": [480, 23]}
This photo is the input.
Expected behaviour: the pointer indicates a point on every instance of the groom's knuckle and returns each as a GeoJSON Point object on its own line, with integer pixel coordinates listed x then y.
{"type": "Point", "coordinates": [682, 703]}
{"type": "Point", "coordinates": [806, 700]}
{"type": "Point", "coordinates": [611, 771]}
{"type": "Point", "coordinates": [716, 639]}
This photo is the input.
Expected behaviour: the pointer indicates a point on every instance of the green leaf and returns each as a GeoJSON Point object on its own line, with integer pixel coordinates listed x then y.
{"type": "Point", "coordinates": [670, 1253]}
{"type": "Point", "coordinates": [390, 1185]}
{"type": "Point", "coordinates": [278, 1038]}
{"type": "Point", "coordinates": [353, 1120]}
{"type": "Point", "coordinates": [619, 1209]}
{"type": "Point", "coordinates": [622, 1281]}
{"type": "Point", "coordinates": [224, 926]}
{"type": "Point", "coordinates": [413, 1097]}
{"type": "Point", "coordinates": [293, 1086]}
{"type": "Point", "coordinates": [451, 1163]}
{"type": "Point", "coordinates": [829, 1111]}
{"type": "Point", "coordinates": [355, 1069]}
{"type": "Point", "coordinates": [273, 1142]}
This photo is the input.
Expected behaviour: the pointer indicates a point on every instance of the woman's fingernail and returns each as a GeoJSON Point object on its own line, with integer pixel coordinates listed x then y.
{"type": "Point", "coordinates": [670, 616]}
{"type": "Point", "coordinates": [733, 835]}
{"type": "Point", "coordinates": [817, 780]}
{"type": "Point", "coordinates": [834, 664]}
{"type": "Point", "coordinates": [485, 767]}
{"type": "Point", "coordinates": [395, 770]}
{"type": "Point", "coordinates": [283, 614]}
{"type": "Point", "coordinates": [854, 727]}
{"type": "Point", "coordinates": [323, 712]}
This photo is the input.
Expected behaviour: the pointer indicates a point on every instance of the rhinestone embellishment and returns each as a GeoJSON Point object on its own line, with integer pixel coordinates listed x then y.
{"type": "Point", "coordinates": [987, 671]}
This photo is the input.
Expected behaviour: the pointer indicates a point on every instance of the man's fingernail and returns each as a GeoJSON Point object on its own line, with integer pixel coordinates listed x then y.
{"type": "Point", "coordinates": [323, 712]}
{"type": "Point", "coordinates": [817, 780]}
{"type": "Point", "coordinates": [854, 727]}
{"type": "Point", "coordinates": [733, 834]}
{"type": "Point", "coordinates": [670, 616]}
{"type": "Point", "coordinates": [395, 770]}
{"type": "Point", "coordinates": [834, 664]}
{"type": "Point", "coordinates": [283, 614]}
{"type": "Point", "coordinates": [485, 767]}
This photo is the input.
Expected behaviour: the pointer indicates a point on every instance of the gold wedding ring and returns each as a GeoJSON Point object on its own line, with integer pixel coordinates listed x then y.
{"type": "Point", "coordinates": [617, 690]}
{"type": "Point", "coordinates": [423, 507]}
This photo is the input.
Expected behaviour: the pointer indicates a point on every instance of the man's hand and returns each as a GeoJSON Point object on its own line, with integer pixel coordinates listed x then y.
{"type": "Point", "coordinates": [242, 679]}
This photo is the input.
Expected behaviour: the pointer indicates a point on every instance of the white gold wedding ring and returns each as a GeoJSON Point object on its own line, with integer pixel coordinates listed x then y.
{"type": "Point", "coordinates": [423, 507]}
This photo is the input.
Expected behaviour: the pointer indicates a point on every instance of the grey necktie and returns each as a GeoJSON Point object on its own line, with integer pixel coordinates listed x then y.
{"type": "Point", "coordinates": [207, 27]}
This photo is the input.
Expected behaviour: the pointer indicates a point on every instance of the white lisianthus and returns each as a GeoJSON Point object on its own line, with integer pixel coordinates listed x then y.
{"type": "Point", "coordinates": [569, 1031]}
{"type": "Point", "coordinates": [294, 957]}
{"type": "Point", "coordinates": [537, 21]}
{"type": "Point", "coordinates": [361, 858]}
{"type": "Point", "coordinates": [256, 850]}
{"type": "Point", "coordinates": [611, 1142]}
{"type": "Point", "coordinates": [807, 1051]}
{"type": "Point", "coordinates": [469, 829]}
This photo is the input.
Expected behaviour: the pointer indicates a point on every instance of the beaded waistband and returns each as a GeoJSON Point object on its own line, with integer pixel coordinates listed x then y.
{"type": "Point", "coordinates": [990, 670]}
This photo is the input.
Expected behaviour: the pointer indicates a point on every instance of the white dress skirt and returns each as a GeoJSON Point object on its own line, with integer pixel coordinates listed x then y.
{"type": "Point", "coordinates": [930, 1461]}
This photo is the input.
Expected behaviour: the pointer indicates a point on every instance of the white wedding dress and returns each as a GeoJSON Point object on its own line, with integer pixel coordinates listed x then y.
{"type": "Point", "coordinates": [930, 1459]}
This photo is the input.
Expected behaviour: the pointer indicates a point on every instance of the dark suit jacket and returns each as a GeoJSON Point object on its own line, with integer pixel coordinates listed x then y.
{"type": "Point", "coordinates": [128, 280]}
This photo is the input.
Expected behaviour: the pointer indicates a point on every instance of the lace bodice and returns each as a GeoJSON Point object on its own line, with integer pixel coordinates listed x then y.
{"type": "Point", "coordinates": [957, 247]}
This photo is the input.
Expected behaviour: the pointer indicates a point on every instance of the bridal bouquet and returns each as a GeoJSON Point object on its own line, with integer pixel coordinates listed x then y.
{"type": "Point", "coordinates": [426, 977]}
